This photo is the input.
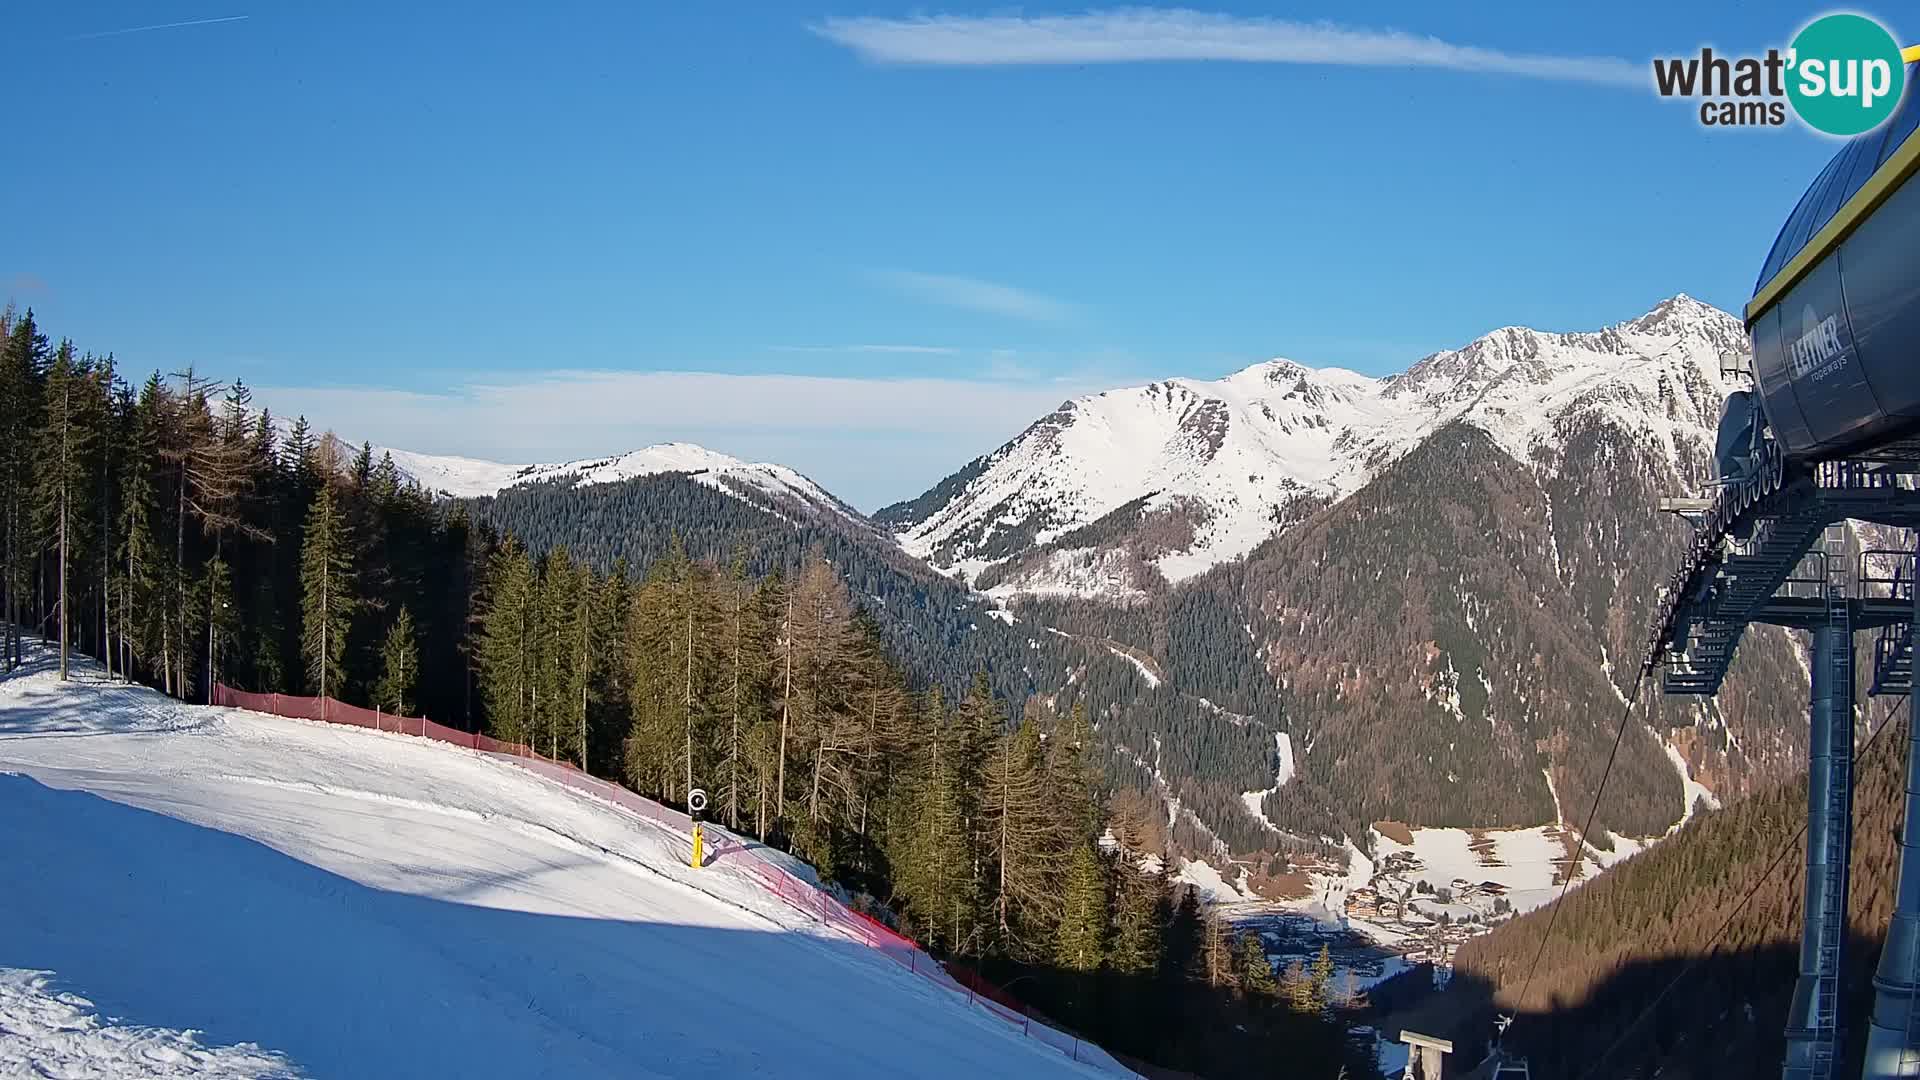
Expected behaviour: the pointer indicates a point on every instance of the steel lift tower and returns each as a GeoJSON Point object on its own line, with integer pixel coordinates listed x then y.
{"type": "Point", "coordinates": [1829, 431]}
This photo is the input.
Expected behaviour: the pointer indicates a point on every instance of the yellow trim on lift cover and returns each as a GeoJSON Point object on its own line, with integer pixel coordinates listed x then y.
{"type": "Point", "coordinates": [1910, 54]}
{"type": "Point", "coordinates": [1879, 187]}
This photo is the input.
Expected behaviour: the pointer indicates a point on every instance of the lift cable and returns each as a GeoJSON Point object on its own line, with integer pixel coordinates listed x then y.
{"type": "Point", "coordinates": [1573, 864]}
{"type": "Point", "coordinates": [1719, 936]}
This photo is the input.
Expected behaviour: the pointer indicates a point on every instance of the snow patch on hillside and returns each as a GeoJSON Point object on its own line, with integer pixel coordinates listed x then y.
{"type": "Point", "coordinates": [1153, 681]}
{"type": "Point", "coordinates": [1209, 883]}
{"type": "Point", "coordinates": [1255, 800]}
{"type": "Point", "coordinates": [1695, 791]}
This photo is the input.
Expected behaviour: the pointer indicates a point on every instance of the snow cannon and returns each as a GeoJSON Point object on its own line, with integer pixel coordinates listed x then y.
{"type": "Point", "coordinates": [697, 810]}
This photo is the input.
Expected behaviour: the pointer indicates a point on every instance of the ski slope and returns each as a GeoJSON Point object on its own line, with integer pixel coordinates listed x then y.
{"type": "Point", "coordinates": [210, 892]}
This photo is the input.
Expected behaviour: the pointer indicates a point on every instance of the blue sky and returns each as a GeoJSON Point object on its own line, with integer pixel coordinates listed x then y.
{"type": "Point", "coordinates": [855, 238]}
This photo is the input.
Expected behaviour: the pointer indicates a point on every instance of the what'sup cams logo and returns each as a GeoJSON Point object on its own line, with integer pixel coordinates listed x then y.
{"type": "Point", "coordinates": [1843, 75]}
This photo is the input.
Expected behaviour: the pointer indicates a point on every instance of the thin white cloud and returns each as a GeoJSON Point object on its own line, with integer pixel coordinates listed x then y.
{"type": "Point", "coordinates": [915, 350]}
{"type": "Point", "coordinates": [975, 294]}
{"type": "Point", "coordinates": [1131, 35]}
{"type": "Point", "coordinates": [869, 441]}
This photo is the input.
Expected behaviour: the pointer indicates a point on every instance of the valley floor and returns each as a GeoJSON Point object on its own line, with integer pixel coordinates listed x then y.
{"type": "Point", "coordinates": [209, 892]}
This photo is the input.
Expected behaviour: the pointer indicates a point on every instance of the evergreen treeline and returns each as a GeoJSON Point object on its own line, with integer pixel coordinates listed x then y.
{"type": "Point", "coordinates": [174, 531]}
{"type": "Point", "coordinates": [944, 636]}
{"type": "Point", "coordinates": [171, 530]}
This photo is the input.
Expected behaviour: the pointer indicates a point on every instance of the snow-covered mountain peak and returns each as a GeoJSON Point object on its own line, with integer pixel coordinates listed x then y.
{"type": "Point", "coordinates": [1192, 472]}
{"type": "Point", "coordinates": [760, 482]}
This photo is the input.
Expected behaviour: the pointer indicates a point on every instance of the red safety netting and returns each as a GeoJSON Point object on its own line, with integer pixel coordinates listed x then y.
{"type": "Point", "coordinates": [802, 895]}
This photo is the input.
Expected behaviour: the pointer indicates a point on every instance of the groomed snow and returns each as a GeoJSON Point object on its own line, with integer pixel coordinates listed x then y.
{"type": "Point", "coordinates": [370, 904]}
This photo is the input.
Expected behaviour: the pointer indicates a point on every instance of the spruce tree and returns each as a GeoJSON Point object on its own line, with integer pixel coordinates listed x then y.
{"type": "Point", "coordinates": [937, 860]}
{"type": "Point", "coordinates": [1254, 969]}
{"type": "Point", "coordinates": [505, 657]}
{"type": "Point", "coordinates": [1080, 943]}
{"type": "Point", "coordinates": [223, 618]}
{"type": "Point", "coordinates": [63, 442]}
{"type": "Point", "coordinates": [1184, 937]}
{"type": "Point", "coordinates": [327, 599]}
{"type": "Point", "coordinates": [1138, 911]}
{"type": "Point", "coordinates": [142, 574]}
{"type": "Point", "coordinates": [1320, 978]}
{"type": "Point", "coordinates": [22, 360]}
{"type": "Point", "coordinates": [399, 666]}
{"type": "Point", "coordinates": [1071, 779]}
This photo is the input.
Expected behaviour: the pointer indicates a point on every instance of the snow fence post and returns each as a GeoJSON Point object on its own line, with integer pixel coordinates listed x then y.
{"type": "Point", "coordinates": [377, 722]}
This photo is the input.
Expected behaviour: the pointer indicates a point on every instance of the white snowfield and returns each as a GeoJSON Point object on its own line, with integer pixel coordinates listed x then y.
{"type": "Point", "coordinates": [208, 892]}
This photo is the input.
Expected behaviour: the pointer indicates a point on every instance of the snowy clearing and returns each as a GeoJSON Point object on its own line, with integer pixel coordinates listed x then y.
{"type": "Point", "coordinates": [371, 904]}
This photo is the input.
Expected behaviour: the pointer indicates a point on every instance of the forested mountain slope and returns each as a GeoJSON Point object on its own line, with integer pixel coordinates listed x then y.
{"type": "Point", "coordinates": [1622, 940]}
{"type": "Point", "coordinates": [1442, 626]}
{"type": "Point", "coordinates": [943, 634]}
{"type": "Point", "coordinates": [1451, 642]}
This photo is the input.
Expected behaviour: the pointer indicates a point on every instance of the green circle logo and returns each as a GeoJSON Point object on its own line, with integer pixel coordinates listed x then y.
{"type": "Point", "coordinates": [1845, 74]}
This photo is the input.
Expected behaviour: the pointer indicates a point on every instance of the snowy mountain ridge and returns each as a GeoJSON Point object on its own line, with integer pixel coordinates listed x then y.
{"type": "Point", "coordinates": [1190, 473]}
{"type": "Point", "coordinates": [757, 482]}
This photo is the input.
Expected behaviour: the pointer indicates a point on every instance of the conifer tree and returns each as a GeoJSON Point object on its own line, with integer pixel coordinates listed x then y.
{"type": "Point", "coordinates": [64, 442]}
{"type": "Point", "coordinates": [399, 666]}
{"type": "Point", "coordinates": [21, 362]}
{"type": "Point", "coordinates": [109, 420]}
{"type": "Point", "coordinates": [937, 855]}
{"type": "Point", "coordinates": [610, 710]}
{"type": "Point", "coordinates": [505, 656]}
{"type": "Point", "coordinates": [1185, 937]}
{"type": "Point", "coordinates": [326, 582]}
{"type": "Point", "coordinates": [142, 578]}
{"type": "Point", "coordinates": [1139, 907]}
{"type": "Point", "coordinates": [1253, 967]}
{"type": "Point", "coordinates": [1022, 841]}
{"type": "Point", "coordinates": [1071, 778]}
{"type": "Point", "coordinates": [1217, 950]}
{"type": "Point", "coordinates": [223, 619]}
{"type": "Point", "coordinates": [1320, 979]}
{"type": "Point", "coordinates": [1296, 987]}
{"type": "Point", "coordinates": [1080, 944]}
